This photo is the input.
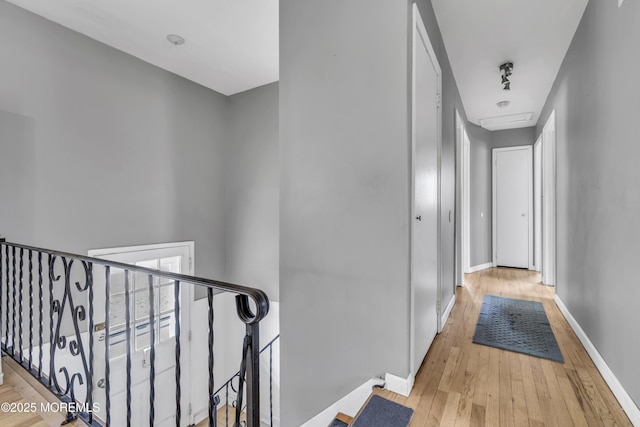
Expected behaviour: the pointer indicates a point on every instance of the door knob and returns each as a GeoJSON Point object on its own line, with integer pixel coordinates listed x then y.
{"type": "Point", "coordinates": [419, 217]}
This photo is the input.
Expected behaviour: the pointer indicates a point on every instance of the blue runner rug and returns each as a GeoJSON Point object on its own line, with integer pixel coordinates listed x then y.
{"type": "Point", "coordinates": [381, 412]}
{"type": "Point", "coordinates": [516, 325]}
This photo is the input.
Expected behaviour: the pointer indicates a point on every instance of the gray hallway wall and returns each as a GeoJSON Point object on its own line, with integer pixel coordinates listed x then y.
{"type": "Point", "coordinates": [99, 149]}
{"type": "Point", "coordinates": [598, 197]}
{"type": "Point", "coordinates": [344, 212]}
{"type": "Point", "coordinates": [345, 195]}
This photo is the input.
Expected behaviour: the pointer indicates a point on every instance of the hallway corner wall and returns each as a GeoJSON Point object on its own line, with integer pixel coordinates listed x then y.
{"type": "Point", "coordinates": [251, 201]}
{"type": "Point", "coordinates": [104, 150]}
{"type": "Point", "coordinates": [597, 184]}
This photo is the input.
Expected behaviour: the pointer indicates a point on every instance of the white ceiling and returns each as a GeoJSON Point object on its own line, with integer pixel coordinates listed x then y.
{"type": "Point", "coordinates": [481, 35]}
{"type": "Point", "coordinates": [231, 45]}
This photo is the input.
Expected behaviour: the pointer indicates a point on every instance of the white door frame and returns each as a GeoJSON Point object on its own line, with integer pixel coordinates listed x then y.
{"type": "Point", "coordinates": [463, 200]}
{"type": "Point", "coordinates": [419, 30]}
{"type": "Point", "coordinates": [529, 150]}
{"type": "Point", "coordinates": [537, 204]}
{"type": "Point", "coordinates": [549, 265]}
{"type": "Point", "coordinates": [186, 312]}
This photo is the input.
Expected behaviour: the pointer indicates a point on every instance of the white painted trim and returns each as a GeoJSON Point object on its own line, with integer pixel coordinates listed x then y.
{"type": "Point", "coordinates": [349, 404]}
{"type": "Point", "coordinates": [447, 311]}
{"type": "Point", "coordinates": [399, 385]}
{"type": "Point", "coordinates": [103, 253]}
{"type": "Point", "coordinates": [633, 412]}
{"type": "Point", "coordinates": [481, 267]}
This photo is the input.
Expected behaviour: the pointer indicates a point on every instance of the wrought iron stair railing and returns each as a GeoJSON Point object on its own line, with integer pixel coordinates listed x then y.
{"type": "Point", "coordinates": [232, 391]}
{"type": "Point", "coordinates": [43, 290]}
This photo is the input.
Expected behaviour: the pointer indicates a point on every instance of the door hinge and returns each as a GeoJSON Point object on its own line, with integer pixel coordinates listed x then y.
{"type": "Point", "coordinates": [190, 265]}
{"type": "Point", "coordinates": [438, 307]}
{"type": "Point", "coordinates": [190, 409]}
{"type": "Point", "coordinates": [189, 336]}
{"type": "Point", "coordinates": [438, 100]}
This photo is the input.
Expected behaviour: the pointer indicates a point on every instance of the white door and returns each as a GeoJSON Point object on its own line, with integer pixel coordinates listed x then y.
{"type": "Point", "coordinates": [173, 258]}
{"type": "Point", "coordinates": [425, 244]}
{"type": "Point", "coordinates": [512, 200]}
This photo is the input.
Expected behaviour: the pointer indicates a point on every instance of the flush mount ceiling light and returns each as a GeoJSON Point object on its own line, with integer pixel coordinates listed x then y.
{"type": "Point", "coordinates": [506, 122]}
{"type": "Point", "coordinates": [175, 39]}
{"type": "Point", "coordinates": [507, 70]}
{"type": "Point", "coordinates": [503, 104]}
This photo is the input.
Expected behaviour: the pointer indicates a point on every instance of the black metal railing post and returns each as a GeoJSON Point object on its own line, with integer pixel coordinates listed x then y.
{"type": "Point", "coordinates": [241, 377]}
{"type": "Point", "coordinates": [253, 375]}
{"type": "Point", "coordinates": [211, 341]}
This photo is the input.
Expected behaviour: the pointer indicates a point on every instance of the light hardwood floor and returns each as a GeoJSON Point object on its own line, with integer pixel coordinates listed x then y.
{"type": "Point", "coordinates": [460, 383]}
{"type": "Point", "coordinates": [21, 388]}
{"type": "Point", "coordinates": [466, 384]}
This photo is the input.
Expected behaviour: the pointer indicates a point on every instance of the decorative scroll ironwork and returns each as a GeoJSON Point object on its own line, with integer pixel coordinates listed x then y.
{"type": "Point", "coordinates": [66, 376]}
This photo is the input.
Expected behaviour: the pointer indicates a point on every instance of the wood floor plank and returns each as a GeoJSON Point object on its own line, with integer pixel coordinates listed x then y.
{"type": "Point", "coordinates": [529, 387]}
{"type": "Point", "coordinates": [26, 389]}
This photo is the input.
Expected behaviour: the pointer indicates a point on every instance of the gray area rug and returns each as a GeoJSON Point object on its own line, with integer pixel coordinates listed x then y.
{"type": "Point", "coordinates": [516, 325]}
{"type": "Point", "coordinates": [381, 412]}
{"type": "Point", "coordinates": [337, 423]}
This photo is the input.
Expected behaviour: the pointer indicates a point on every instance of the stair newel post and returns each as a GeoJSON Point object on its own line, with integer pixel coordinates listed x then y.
{"type": "Point", "coordinates": [251, 353]}
{"type": "Point", "coordinates": [253, 375]}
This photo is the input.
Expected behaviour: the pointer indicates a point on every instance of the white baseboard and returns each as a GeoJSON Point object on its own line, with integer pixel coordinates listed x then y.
{"type": "Point", "coordinates": [633, 412]}
{"type": "Point", "coordinates": [480, 267]}
{"type": "Point", "coordinates": [447, 311]}
{"type": "Point", "coordinates": [350, 405]}
{"type": "Point", "coordinates": [399, 385]}
{"type": "Point", "coordinates": [1, 378]}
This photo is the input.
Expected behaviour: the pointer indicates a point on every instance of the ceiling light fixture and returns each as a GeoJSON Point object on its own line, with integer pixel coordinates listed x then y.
{"type": "Point", "coordinates": [503, 104]}
{"type": "Point", "coordinates": [175, 39]}
{"type": "Point", "coordinates": [507, 70]}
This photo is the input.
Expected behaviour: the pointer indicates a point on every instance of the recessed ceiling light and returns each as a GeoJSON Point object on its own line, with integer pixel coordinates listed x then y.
{"type": "Point", "coordinates": [503, 104]}
{"type": "Point", "coordinates": [175, 39]}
